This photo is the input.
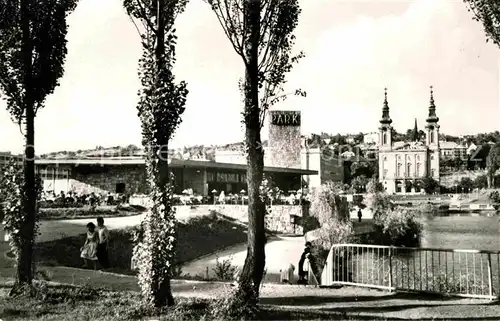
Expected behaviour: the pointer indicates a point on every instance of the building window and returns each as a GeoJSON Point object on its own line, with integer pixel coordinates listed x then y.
{"type": "Point", "coordinates": [120, 188]}
{"type": "Point", "coordinates": [418, 169]}
{"type": "Point", "coordinates": [385, 173]}
{"type": "Point", "coordinates": [408, 169]}
{"type": "Point", "coordinates": [432, 157]}
{"type": "Point", "coordinates": [418, 158]}
{"type": "Point", "coordinates": [433, 171]}
{"type": "Point", "coordinates": [398, 171]}
{"type": "Point", "coordinates": [221, 177]}
{"type": "Point", "coordinates": [432, 137]}
{"type": "Point", "coordinates": [384, 138]}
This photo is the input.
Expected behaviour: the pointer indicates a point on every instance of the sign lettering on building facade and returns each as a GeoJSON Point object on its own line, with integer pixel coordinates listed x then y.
{"type": "Point", "coordinates": [285, 118]}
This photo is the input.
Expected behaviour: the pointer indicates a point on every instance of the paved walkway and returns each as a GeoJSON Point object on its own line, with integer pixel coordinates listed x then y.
{"type": "Point", "coordinates": [280, 252]}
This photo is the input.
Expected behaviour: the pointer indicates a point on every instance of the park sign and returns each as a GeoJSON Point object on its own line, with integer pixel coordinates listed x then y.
{"type": "Point", "coordinates": [285, 118]}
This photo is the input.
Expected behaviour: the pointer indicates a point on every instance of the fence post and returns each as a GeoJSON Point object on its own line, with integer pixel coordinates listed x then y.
{"type": "Point", "coordinates": [490, 277]}
{"type": "Point", "coordinates": [390, 268]}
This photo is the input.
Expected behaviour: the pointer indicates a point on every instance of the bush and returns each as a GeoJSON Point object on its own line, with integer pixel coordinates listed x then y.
{"type": "Point", "coordinates": [50, 204]}
{"type": "Point", "coordinates": [83, 212]}
{"type": "Point", "coordinates": [224, 269]}
{"type": "Point", "coordinates": [326, 203]}
{"type": "Point", "coordinates": [332, 213]}
{"type": "Point", "coordinates": [399, 227]}
{"type": "Point", "coordinates": [332, 232]}
{"type": "Point", "coordinates": [379, 203]}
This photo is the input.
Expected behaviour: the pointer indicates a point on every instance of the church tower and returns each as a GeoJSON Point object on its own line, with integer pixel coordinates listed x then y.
{"type": "Point", "coordinates": [432, 127]}
{"type": "Point", "coordinates": [385, 129]}
{"type": "Point", "coordinates": [432, 139]}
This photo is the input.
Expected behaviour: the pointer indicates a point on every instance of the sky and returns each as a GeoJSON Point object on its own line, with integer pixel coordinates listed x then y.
{"type": "Point", "coordinates": [354, 48]}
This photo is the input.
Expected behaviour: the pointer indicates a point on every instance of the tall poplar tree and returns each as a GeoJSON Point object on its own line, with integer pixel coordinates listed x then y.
{"type": "Point", "coordinates": [261, 33]}
{"type": "Point", "coordinates": [32, 54]}
{"type": "Point", "coordinates": [161, 104]}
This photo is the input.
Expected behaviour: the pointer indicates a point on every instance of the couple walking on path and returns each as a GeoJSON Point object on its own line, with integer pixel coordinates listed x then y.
{"type": "Point", "coordinates": [96, 245]}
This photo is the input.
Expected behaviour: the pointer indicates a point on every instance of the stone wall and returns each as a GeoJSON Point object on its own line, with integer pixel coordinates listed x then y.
{"type": "Point", "coordinates": [107, 178]}
{"type": "Point", "coordinates": [278, 220]}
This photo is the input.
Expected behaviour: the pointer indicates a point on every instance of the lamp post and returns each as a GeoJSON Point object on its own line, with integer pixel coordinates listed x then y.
{"type": "Point", "coordinates": [242, 192]}
{"type": "Point", "coordinates": [214, 192]}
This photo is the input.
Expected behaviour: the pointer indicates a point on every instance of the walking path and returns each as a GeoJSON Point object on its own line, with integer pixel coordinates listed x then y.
{"type": "Point", "coordinates": [280, 252]}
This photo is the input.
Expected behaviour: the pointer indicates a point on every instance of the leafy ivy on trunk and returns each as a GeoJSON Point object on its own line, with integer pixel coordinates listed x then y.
{"type": "Point", "coordinates": [261, 32]}
{"type": "Point", "coordinates": [32, 53]}
{"type": "Point", "coordinates": [160, 107]}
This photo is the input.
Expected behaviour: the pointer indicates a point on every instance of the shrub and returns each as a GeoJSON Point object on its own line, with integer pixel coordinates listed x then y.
{"type": "Point", "coordinates": [332, 232]}
{"type": "Point", "coordinates": [332, 212]}
{"type": "Point", "coordinates": [224, 269]}
{"type": "Point", "coordinates": [326, 203]}
{"type": "Point", "coordinates": [495, 199]}
{"type": "Point", "coordinates": [379, 203]}
{"type": "Point", "coordinates": [399, 227]}
{"type": "Point", "coordinates": [76, 212]}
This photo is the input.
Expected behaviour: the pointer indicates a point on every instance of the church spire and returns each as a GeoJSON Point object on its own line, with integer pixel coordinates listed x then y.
{"type": "Point", "coordinates": [415, 135]}
{"type": "Point", "coordinates": [432, 109]}
{"type": "Point", "coordinates": [386, 119]}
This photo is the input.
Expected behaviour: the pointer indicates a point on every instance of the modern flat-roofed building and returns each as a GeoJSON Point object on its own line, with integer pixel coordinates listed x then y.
{"type": "Point", "coordinates": [128, 175]}
{"type": "Point", "coordinates": [227, 173]}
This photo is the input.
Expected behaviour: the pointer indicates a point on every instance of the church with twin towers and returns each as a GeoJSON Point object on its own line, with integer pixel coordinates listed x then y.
{"type": "Point", "coordinates": [403, 165]}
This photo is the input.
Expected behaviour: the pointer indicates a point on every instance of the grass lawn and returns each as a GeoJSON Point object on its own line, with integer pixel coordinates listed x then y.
{"type": "Point", "coordinates": [197, 237]}
{"type": "Point", "coordinates": [65, 302]}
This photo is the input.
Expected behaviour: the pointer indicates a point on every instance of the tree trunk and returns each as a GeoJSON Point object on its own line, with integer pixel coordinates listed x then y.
{"type": "Point", "coordinates": [24, 275]}
{"type": "Point", "coordinates": [163, 291]}
{"type": "Point", "coordinates": [253, 270]}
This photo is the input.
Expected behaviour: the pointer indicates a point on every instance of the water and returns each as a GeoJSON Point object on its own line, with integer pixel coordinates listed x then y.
{"type": "Point", "coordinates": [434, 270]}
{"type": "Point", "coordinates": [465, 232]}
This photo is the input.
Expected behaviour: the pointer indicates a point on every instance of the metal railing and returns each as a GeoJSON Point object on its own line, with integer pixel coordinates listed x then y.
{"type": "Point", "coordinates": [464, 273]}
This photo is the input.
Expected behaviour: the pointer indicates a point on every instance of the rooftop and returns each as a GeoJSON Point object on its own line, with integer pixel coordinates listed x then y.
{"type": "Point", "coordinates": [174, 163]}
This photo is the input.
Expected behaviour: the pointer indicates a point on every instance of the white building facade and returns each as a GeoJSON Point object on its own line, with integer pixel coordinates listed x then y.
{"type": "Point", "coordinates": [402, 168]}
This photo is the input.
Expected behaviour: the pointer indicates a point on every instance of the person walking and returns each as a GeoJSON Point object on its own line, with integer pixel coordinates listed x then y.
{"type": "Point", "coordinates": [305, 255]}
{"type": "Point", "coordinates": [360, 215]}
{"type": "Point", "coordinates": [89, 249]}
{"type": "Point", "coordinates": [103, 246]}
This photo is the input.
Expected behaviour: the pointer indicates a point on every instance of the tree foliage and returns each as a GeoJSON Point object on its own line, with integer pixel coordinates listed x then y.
{"type": "Point", "coordinates": [161, 103]}
{"type": "Point", "coordinates": [279, 18]}
{"type": "Point", "coordinates": [487, 12]}
{"type": "Point", "coordinates": [493, 164]}
{"type": "Point", "coordinates": [11, 196]}
{"type": "Point", "coordinates": [327, 203]}
{"type": "Point", "coordinates": [47, 46]}
{"type": "Point", "coordinates": [429, 185]}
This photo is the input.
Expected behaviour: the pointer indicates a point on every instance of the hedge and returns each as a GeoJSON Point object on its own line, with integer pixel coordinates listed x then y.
{"type": "Point", "coordinates": [87, 211]}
